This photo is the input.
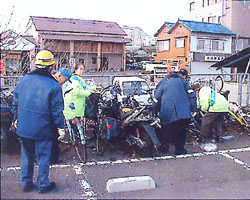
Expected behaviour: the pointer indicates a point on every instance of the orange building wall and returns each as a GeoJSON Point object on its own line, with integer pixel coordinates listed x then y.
{"type": "Point", "coordinates": [181, 54]}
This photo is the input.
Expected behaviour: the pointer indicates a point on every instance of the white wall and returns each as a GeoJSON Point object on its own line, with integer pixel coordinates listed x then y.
{"type": "Point", "coordinates": [200, 12]}
{"type": "Point", "coordinates": [204, 68]}
{"type": "Point", "coordinates": [226, 38]}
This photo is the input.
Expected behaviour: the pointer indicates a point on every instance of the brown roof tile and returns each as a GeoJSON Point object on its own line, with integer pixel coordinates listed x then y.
{"type": "Point", "coordinates": [76, 26]}
{"type": "Point", "coordinates": [31, 39]}
{"type": "Point", "coordinates": [85, 38]}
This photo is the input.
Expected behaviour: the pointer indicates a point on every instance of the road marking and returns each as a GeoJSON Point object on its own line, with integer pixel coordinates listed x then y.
{"type": "Point", "coordinates": [87, 188]}
{"type": "Point", "coordinates": [78, 169]}
{"type": "Point", "coordinates": [236, 160]}
{"type": "Point", "coordinates": [133, 160]}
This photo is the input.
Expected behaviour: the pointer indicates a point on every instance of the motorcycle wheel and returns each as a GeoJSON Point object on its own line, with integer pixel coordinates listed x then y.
{"type": "Point", "coordinates": [102, 136]}
{"type": "Point", "coordinates": [80, 148]}
{"type": "Point", "coordinates": [5, 140]}
{"type": "Point", "coordinates": [147, 150]}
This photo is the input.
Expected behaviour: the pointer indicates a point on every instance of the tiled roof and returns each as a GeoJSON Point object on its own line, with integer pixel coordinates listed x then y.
{"type": "Point", "coordinates": [85, 38]}
{"type": "Point", "coordinates": [204, 27]}
{"type": "Point", "coordinates": [168, 24]}
{"type": "Point", "coordinates": [76, 26]}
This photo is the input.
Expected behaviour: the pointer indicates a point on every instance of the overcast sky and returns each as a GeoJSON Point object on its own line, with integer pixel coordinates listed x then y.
{"type": "Point", "coordinates": [146, 14]}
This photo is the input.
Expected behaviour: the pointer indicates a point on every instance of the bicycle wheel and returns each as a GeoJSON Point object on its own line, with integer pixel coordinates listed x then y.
{"type": "Point", "coordinates": [102, 136]}
{"type": "Point", "coordinates": [80, 146]}
{"type": "Point", "coordinates": [218, 83]}
{"type": "Point", "coordinates": [90, 127]}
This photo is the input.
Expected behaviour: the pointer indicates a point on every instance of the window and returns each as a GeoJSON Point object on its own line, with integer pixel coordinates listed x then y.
{"type": "Point", "coordinates": [212, 19]}
{"type": "Point", "coordinates": [221, 45]}
{"type": "Point", "coordinates": [203, 3]}
{"type": "Point", "coordinates": [219, 20]}
{"type": "Point", "coordinates": [191, 6]}
{"type": "Point", "coordinates": [163, 45]}
{"type": "Point", "coordinates": [134, 87]}
{"type": "Point", "coordinates": [210, 45]}
{"type": "Point", "coordinates": [207, 45]}
{"type": "Point", "coordinates": [215, 45]}
{"type": "Point", "coordinates": [208, 2]}
{"type": "Point", "coordinates": [203, 19]}
{"type": "Point", "coordinates": [212, 2]}
{"type": "Point", "coordinates": [201, 45]}
{"type": "Point", "coordinates": [93, 60]}
{"type": "Point", "coordinates": [179, 43]}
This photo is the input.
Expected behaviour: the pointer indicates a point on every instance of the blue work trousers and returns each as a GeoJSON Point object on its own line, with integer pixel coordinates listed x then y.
{"type": "Point", "coordinates": [42, 150]}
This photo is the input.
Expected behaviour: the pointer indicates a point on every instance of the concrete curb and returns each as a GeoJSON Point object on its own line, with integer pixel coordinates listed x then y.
{"type": "Point", "coordinates": [130, 184]}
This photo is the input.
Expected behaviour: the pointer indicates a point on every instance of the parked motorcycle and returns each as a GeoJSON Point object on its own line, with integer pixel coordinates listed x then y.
{"type": "Point", "coordinates": [128, 123]}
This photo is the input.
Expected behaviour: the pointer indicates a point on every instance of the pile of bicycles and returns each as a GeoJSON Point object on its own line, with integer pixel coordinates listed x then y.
{"type": "Point", "coordinates": [236, 120]}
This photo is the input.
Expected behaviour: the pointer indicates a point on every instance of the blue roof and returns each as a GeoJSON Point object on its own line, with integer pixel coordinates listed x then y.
{"type": "Point", "coordinates": [204, 27]}
{"type": "Point", "coordinates": [169, 24]}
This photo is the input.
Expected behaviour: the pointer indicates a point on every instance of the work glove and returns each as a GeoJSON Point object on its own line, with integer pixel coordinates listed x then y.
{"type": "Point", "coordinates": [62, 135]}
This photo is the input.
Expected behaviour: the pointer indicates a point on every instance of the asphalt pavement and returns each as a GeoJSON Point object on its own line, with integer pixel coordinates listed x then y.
{"type": "Point", "coordinates": [223, 174]}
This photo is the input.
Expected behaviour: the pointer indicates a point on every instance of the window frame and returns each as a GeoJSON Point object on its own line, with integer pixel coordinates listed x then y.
{"type": "Point", "coordinates": [192, 6]}
{"type": "Point", "coordinates": [181, 42]}
{"type": "Point", "coordinates": [210, 45]}
{"type": "Point", "coordinates": [164, 45]}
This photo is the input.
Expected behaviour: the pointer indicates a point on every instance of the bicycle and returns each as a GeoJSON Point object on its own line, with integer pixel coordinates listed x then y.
{"type": "Point", "coordinates": [239, 116]}
{"type": "Point", "coordinates": [233, 119]}
{"type": "Point", "coordinates": [105, 104]}
{"type": "Point", "coordinates": [79, 130]}
{"type": "Point", "coordinates": [216, 83]}
{"type": "Point", "coordinates": [76, 139]}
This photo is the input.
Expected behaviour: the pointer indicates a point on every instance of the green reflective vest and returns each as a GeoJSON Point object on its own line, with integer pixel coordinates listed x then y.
{"type": "Point", "coordinates": [211, 101]}
{"type": "Point", "coordinates": [74, 97]}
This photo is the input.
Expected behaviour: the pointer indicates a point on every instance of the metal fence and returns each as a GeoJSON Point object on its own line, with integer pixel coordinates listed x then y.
{"type": "Point", "coordinates": [237, 84]}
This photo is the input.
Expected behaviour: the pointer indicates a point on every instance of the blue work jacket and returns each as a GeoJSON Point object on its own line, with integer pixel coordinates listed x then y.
{"type": "Point", "coordinates": [175, 100]}
{"type": "Point", "coordinates": [38, 105]}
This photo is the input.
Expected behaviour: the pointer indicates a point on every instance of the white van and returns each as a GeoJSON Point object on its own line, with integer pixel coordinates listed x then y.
{"type": "Point", "coordinates": [133, 85]}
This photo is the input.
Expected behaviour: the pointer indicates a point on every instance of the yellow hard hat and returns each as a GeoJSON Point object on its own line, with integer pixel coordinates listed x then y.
{"type": "Point", "coordinates": [44, 58]}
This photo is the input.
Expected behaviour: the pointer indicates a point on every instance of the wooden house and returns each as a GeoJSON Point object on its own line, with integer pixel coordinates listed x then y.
{"type": "Point", "coordinates": [99, 45]}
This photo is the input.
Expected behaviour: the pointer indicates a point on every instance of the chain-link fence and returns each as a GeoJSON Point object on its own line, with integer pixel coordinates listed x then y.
{"type": "Point", "coordinates": [237, 84]}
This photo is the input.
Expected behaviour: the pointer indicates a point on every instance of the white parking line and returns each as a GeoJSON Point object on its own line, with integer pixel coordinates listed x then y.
{"type": "Point", "coordinates": [133, 160]}
{"type": "Point", "coordinates": [78, 169]}
{"type": "Point", "coordinates": [236, 160]}
{"type": "Point", "coordinates": [88, 190]}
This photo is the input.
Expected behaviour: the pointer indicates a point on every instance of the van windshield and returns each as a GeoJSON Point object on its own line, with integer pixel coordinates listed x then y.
{"type": "Point", "coordinates": [134, 87]}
